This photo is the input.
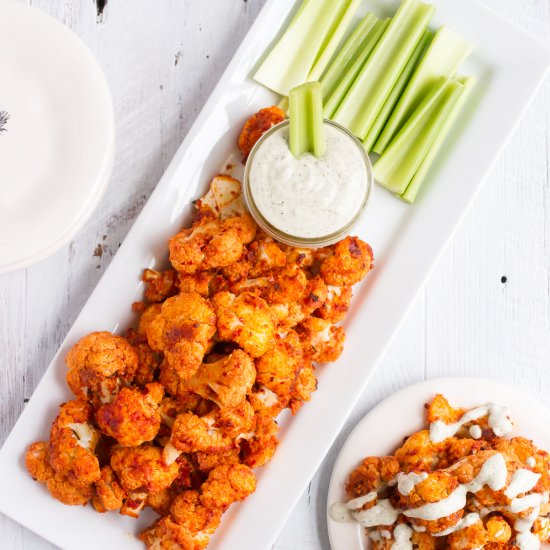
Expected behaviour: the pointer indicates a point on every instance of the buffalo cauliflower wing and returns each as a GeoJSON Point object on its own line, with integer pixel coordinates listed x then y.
{"type": "Point", "coordinates": [133, 417]}
{"type": "Point", "coordinates": [166, 534]}
{"type": "Point", "coordinates": [98, 365]}
{"type": "Point", "coordinates": [256, 126]}
{"type": "Point", "coordinates": [109, 493]}
{"type": "Point", "coordinates": [227, 484]}
{"type": "Point", "coordinates": [349, 263]}
{"type": "Point", "coordinates": [182, 330]}
{"type": "Point", "coordinates": [322, 341]}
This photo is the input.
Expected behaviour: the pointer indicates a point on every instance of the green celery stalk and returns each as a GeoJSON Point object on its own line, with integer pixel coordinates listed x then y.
{"type": "Point", "coordinates": [400, 85]}
{"type": "Point", "coordinates": [414, 186]}
{"type": "Point", "coordinates": [307, 129]}
{"type": "Point", "coordinates": [345, 58]}
{"type": "Point", "coordinates": [360, 107]}
{"type": "Point", "coordinates": [308, 42]}
{"type": "Point", "coordinates": [396, 168]}
{"type": "Point", "coordinates": [339, 93]}
{"type": "Point", "coordinates": [443, 58]}
{"type": "Point", "coordinates": [333, 41]}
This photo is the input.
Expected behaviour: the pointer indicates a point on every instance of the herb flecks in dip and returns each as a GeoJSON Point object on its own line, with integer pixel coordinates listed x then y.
{"type": "Point", "coordinates": [309, 197]}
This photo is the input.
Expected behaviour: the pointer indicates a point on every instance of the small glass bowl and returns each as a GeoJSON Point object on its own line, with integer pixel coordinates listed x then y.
{"type": "Point", "coordinates": [293, 240]}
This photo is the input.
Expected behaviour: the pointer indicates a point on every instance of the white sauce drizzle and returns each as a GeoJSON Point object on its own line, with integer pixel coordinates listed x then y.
{"type": "Point", "coordinates": [381, 514]}
{"type": "Point", "coordinates": [466, 521]}
{"type": "Point", "coordinates": [407, 482]}
{"type": "Point", "coordinates": [493, 473]}
{"type": "Point", "coordinates": [531, 462]}
{"type": "Point", "coordinates": [341, 511]}
{"type": "Point", "coordinates": [475, 432]}
{"type": "Point", "coordinates": [522, 481]}
{"type": "Point", "coordinates": [497, 419]}
{"type": "Point", "coordinates": [402, 535]}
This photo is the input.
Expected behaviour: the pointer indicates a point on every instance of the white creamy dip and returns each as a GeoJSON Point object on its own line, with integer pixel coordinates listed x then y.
{"type": "Point", "coordinates": [308, 197]}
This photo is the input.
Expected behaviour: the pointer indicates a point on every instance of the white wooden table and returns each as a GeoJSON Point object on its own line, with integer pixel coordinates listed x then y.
{"type": "Point", "coordinates": [485, 310]}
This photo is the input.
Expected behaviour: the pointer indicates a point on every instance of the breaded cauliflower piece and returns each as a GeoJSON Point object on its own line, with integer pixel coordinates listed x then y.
{"type": "Point", "coordinates": [373, 474]}
{"type": "Point", "coordinates": [440, 409]}
{"type": "Point", "coordinates": [133, 417]}
{"type": "Point", "coordinates": [227, 484]}
{"type": "Point", "coordinates": [182, 331]}
{"type": "Point", "coordinates": [99, 364]}
{"type": "Point", "coordinates": [188, 512]}
{"type": "Point", "coordinates": [208, 461]}
{"type": "Point", "coordinates": [72, 443]}
{"type": "Point", "coordinates": [279, 367]}
{"type": "Point", "coordinates": [260, 448]}
{"type": "Point", "coordinates": [162, 501]}
{"type": "Point", "coordinates": [166, 534]}
{"type": "Point", "coordinates": [199, 282]}
{"type": "Point", "coordinates": [336, 305]}
{"type": "Point", "coordinates": [215, 432]}
{"type": "Point", "coordinates": [38, 465]}
{"type": "Point", "coordinates": [322, 341]}
{"type": "Point", "coordinates": [265, 401]}
{"type": "Point", "coordinates": [109, 494]}
{"type": "Point", "coordinates": [159, 284]}
{"type": "Point", "coordinates": [306, 384]}
{"type": "Point", "coordinates": [211, 243]}
{"type": "Point", "coordinates": [225, 381]}
{"type": "Point", "coordinates": [247, 320]}
{"type": "Point", "coordinates": [350, 262]}
{"type": "Point", "coordinates": [256, 126]}
{"type": "Point", "coordinates": [142, 469]}
{"type": "Point", "coordinates": [148, 360]}
{"type": "Point", "coordinates": [263, 256]}
{"type": "Point", "coordinates": [498, 529]}
{"type": "Point", "coordinates": [468, 538]}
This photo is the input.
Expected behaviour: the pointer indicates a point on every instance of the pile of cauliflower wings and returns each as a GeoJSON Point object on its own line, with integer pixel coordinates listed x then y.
{"type": "Point", "coordinates": [176, 414]}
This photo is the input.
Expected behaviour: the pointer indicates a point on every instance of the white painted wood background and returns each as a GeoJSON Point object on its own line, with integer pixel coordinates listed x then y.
{"type": "Point", "coordinates": [485, 310]}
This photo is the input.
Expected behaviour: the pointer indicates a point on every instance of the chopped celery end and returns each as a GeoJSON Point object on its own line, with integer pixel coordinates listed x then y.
{"type": "Point", "coordinates": [400, 85]}
{"type": "Point", "coordinates": [372, 38]}
{"type": "Point", "coordinates": [307, 130]}
{"type": "Point", "coordinates": [306, 45]}
{"type": "Point", "coordinates": [396, 168]}
{"type": "Point", "coordinates": [443, 58]}
{"type": "Point", "coordinates": [347, 55]}
{"type": "Point", "coordinates": [414, 186]}
{"type": "Point", "coordinates": [373, 85]}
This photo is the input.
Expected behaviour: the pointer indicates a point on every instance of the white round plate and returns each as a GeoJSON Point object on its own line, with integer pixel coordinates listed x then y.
{"type": "Point", "coordinates": [382, 430]}
{"type": "Point", "coordinates": [57, 150]}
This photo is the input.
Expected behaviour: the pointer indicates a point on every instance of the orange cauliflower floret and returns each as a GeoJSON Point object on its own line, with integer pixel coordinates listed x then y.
{"type": "Point", "coordinates": [278, 368]}
{"type": "Point", "coordinates": [148, 360]}
{"type": "Point", "coordinates": [188, 512]}
{"type": "Point", "coordinates": [133, 417]}
{"type": "Point", "coordinates": [350, 262]}
{"type": "Point", "coordinates": [245, 319]}
{"type": "Point", "coordinates": [208, 461]}
{"type": "Point", "coordinates": [371, 475]}
{"type": "Point", "coordinates": [226, 381]}
{"type": "Point", "coordinates": [322, 341]}
{"type": "Point", "coordinates": [38, 465]}
{"type": "Point", "coordinates": [182, 330]}
{"type": "Point", "coordinates": [160, 502]}
{"type": "Point", "coordinates": [260, 448]}
{"type": "Point", "coordinates": [336, 306]}
{"type": "Point", "coordinates": [256, 126]}
{"type": "Point", "coordinates": [227, 484]}
{"type": "Point", "coordinates": [166, 534]}
{"type": "Point", "coordinates": [109, 494]}
{"type": "Point", "coordinates": [72, 444]}
{"type": "Point", "coordinates": [99, 364]}
{"type": "Point", "coordinates": [142, 469]}
{"type": "Point", "coordinates": [159, 284]}
{"type": "Point", "coordinates": [211, 243]}
{"type": "Point", "coordinates": [306, 384]}
{"type": "Point", "coordinates": [215, 432]}
{"type": "Point", "coordinates": [199, 282]}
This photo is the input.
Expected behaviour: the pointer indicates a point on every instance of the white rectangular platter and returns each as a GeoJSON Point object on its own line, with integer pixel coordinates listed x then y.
{"type": "Point", "coordinates": [407, 242]}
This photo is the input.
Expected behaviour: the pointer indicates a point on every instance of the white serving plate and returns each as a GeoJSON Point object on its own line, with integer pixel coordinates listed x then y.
{"type": "Point", "coordinates": [382, 430]}
{"type": "Point", "coordinates": [57, 152]}
{"type": "Point", "coordinates": [407, 242]}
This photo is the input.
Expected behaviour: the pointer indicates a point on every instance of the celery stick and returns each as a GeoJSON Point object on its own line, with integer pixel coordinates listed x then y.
{"type": "Point", "coordinates": [308, 42]}
{"type": "Point", "coordinates": [445, 54]}
{"type": "Point", "coordinates": [360, 107]}
{"type": "Point", "coordinates": [345, 58]}
{"type": "Point", "coordinates": [307, 130]}
{"type": "Point", "coordinates": [396, 168]}
{"type": "Point", "coordinates": [393, 98]}
{"type": "Point", "coordinates": [333, 41]}
{"type": "Point", "coordinates": [412, 190]}
{"type": "Point", "coordinates": [339, 93]}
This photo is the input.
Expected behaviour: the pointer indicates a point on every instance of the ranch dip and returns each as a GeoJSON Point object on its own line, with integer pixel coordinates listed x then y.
{"type": "Point", "coordinates": [309, 197]}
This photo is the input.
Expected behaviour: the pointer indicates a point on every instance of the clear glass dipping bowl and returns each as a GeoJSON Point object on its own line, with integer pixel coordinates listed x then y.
{"type": "Point", "coordinates": [294, 240]}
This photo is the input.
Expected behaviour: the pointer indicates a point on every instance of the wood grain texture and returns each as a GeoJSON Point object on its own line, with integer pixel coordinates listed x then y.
{"type": "Point", "coordinates": [161, 60]}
